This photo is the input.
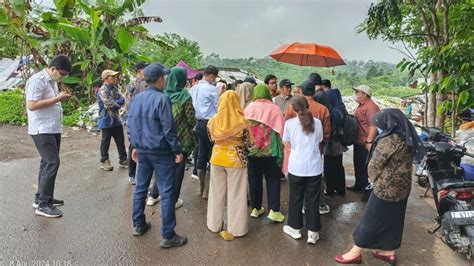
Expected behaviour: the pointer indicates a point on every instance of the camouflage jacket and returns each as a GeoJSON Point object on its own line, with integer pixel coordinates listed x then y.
{"type": "Point", "coordinates": [390, 168]}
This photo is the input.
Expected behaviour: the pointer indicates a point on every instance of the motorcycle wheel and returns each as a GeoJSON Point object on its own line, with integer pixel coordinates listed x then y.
{"type": "Point", "coordinates": [423, 181]}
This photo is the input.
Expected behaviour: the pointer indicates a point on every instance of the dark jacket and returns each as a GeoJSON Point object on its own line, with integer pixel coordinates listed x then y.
{"type": "Point", "coordinates": [322, 98]}
{"type": "Point", "coordinates": [151, 125]}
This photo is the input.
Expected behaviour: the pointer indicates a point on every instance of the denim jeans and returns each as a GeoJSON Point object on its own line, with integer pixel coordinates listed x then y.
{"type": "Point", "coordinates": [165, 168]}
{"type": "Point", "coordinates": [180, 169]}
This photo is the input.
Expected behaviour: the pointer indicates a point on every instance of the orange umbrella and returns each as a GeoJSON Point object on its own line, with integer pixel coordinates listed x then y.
{"type": "Point", "coordinates": [307, 54]}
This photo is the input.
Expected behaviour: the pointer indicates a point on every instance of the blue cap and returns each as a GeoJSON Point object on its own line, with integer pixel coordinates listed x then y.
{"type": "Point", "coordinates": [155, 71]}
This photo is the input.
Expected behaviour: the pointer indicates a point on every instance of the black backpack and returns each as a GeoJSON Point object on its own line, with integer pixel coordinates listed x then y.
{"type": "Point", "coordinates": [349, 130]}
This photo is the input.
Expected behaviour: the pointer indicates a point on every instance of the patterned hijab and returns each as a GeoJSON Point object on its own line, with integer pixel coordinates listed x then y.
{"type": "Point", "coordinates": [229, 119]}
{"type": "Point", "coordinates": [392, 121]}
{"type": "Point", "coordinates": [174, 87]}
{"type": "Point", "coordinates": [244, 91]}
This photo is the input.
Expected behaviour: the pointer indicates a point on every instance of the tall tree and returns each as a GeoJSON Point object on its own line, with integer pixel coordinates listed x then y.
{"type": "Point", "coordinates": [436, 30]}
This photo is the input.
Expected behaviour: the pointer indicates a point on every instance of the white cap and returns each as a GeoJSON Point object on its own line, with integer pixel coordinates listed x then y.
{"type": "Point", "coordinates": [363, 88]}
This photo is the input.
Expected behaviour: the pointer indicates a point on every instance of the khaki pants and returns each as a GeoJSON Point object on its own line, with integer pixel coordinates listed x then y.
{"type": "Point", "coordinates": [228, 185]}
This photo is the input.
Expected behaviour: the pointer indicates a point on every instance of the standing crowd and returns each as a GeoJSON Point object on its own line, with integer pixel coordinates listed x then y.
{"type": "Point", "coordinates": [238, 138]}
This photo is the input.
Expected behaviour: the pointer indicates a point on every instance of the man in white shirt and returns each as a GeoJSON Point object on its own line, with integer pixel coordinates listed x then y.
{"type": "Point", "coordinates": [43, 101]}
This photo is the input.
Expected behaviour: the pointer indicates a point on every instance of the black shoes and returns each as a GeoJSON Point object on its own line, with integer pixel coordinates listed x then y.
{"type": "Point", "coordinates": [175, 241]}
{"type": "Point", "coordinates": [139, 230]}
{"type": "Point", "coordinates": [49, 212]}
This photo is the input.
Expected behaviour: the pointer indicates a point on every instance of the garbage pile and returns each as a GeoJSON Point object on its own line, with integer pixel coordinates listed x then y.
{"type": "Point", "coordinates": [88, 119]}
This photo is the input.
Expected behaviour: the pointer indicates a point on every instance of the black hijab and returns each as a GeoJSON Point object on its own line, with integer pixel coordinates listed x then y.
{"type": "Point", "coordinates": [392, 121]}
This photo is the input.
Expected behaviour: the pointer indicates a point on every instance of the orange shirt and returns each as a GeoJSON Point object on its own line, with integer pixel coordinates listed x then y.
{"type": "Point", "coordinates": [364, 113]}
{"type": "Point", "coordinates": [319, 111]}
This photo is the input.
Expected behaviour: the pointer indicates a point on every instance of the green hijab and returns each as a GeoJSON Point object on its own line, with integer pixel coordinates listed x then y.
{"type": "Point", "coordinates": [175, 84]}
{"type": "Point", "coordinates": [261, 92]}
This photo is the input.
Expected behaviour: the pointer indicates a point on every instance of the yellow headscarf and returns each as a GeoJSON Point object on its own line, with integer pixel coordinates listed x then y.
{"type": "Point", "coordinates": [229, 119]}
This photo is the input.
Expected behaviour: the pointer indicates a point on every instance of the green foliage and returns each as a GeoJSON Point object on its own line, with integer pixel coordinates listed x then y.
{"type": "Point", "coordinates": [388, 80]}
{"type": "Point", "coordinates": [71, 119]}
{"type": "Point", "coordinates": [182, 49]}
{"type": "Point", "coordinates": [12, 107]}
{"type": "Point", "coordinates": [442, 36]}
{"type": "Point", "coordinates": [96, 36]}
{"type": "Point", "coordinates": [9, 47]}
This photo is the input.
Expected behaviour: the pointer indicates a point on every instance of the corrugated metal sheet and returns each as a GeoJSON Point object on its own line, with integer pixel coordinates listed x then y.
{"type": "Point", "coordinates": [10, 78]}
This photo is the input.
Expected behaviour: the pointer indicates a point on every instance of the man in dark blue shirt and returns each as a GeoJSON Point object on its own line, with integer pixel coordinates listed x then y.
{"type": "Point", "coordinates": [156, 147]}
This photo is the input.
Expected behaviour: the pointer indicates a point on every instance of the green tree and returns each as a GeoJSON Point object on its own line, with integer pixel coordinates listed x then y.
{"type": "Point", "coordinates": [441, 34]}
{"type": "Point", "coordinates": [95, 36]}
{"type": "Point", "coordinates": [372, 72]}
{"type": "Point", "coordinates": [181, 49]}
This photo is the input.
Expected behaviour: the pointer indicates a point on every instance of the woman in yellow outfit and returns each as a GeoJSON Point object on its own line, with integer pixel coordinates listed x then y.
{"type": "Point", "coordinates": [228, 184]}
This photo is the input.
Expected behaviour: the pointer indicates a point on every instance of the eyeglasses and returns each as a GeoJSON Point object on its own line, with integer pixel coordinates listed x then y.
{"type": "Point", "coordinates": [63, 73]}
{"type": "Point", "coordinates": [272, 83]}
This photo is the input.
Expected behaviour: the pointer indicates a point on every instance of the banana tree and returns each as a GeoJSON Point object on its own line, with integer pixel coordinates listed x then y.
{"type": "Point", "coordinates": [96, 35]}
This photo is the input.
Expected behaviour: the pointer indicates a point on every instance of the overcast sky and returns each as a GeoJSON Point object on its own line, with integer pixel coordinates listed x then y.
{"type": "Point", "coordinates": [247, 28]}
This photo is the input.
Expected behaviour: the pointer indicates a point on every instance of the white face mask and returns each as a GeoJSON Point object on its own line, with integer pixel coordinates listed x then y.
{"type": "Point", "coordinates": [56, 76]}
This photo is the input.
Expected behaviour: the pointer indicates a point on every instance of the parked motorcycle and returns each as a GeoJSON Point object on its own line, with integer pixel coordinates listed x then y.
{"type": "Point", "coordinates": [429, 135]}
{"type": "Point", "coordinates": [453, 195]}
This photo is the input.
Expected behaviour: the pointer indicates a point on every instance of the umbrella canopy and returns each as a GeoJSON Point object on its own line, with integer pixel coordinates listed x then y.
{"type": "Point", "coordinates": [307, 54]}
{"type": "Point", "coordinates": [191, 72]}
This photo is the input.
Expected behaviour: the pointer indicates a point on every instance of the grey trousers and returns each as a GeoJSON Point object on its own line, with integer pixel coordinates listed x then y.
{"type": "Point", "coordinates": [48, 148]}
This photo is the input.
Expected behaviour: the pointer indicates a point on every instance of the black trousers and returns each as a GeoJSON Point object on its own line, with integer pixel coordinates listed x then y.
{"type": "Point", "coordinates": [268, 167]}
{"type": "Point", "coordinates": [107, 135]}
{"type": "Point", "coordinates": [204, 143]}
{"type": "Point", "coordinates": [179, 176]}
{"type": "Point", "coordinates": [334, 174]}
{"type": "Point", "coordinates": [360, 166]}
{"type": "Point", "coordinates": [195, 155]}
{"type": "Point", "coordinates": [48, 148]}
{"type": "Point", "coordinates": [307, 188]}
{"type": "Point", "coordinates": [132, 165]}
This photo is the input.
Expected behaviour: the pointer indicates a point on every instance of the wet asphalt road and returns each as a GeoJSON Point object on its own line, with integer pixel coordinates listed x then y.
{"type": "Point", "coordinates": [96, 227]}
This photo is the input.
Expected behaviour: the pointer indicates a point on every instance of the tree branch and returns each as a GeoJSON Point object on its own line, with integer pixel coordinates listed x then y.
{"type": "Point", "coordinates": [426, 26]}
{"type": "Point", "coordinates": [434, 18]}
{"type": "Point", "coordinates": [446, 21]}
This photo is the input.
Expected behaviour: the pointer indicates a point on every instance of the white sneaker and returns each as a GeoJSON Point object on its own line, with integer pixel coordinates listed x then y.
{"type": "Point", "coordinates": [151, 201]}
{"type": "Point", "coordinates": [313, 237]}
{"type": "Point", "coordinates": [324, 209]}
{"type": "Point", "coordinates": [193, 176]}
{"type": "Point", "coordinates": [294, 233]}
{"type": "Point", "coordinates": [178, 204]}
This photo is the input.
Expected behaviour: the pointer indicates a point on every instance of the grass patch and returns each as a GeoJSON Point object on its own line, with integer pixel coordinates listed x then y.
{"type": "Point", "coordinates": [12, 108]}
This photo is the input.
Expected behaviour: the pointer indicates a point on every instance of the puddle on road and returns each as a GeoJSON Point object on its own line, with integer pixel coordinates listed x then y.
{"type": "Point", "coordinates": [345, 212]}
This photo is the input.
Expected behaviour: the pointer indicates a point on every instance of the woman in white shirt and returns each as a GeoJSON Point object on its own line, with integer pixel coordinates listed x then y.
{"type": "Point", "coordinates": [304, 170]}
